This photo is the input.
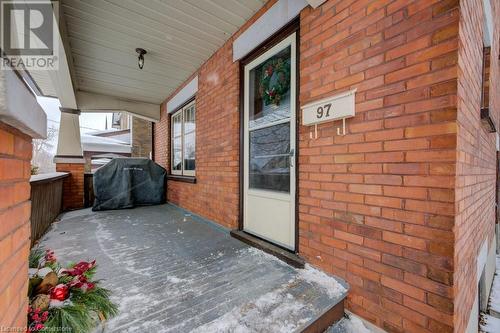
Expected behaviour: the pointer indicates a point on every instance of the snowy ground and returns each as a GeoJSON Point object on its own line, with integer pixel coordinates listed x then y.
{"type": "Point", "coordinates": [173, 272]}
{"type": "Point", "coordinates": [490, 323]}
{"type": "Point", "coordinates": [350, 324]}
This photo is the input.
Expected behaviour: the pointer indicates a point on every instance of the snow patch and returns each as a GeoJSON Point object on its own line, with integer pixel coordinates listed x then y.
{"type": "Point", "coordinates": [330, 284]}
{"type": "Point", "coordinates": [174, 279]}
{"type": "Point", "coordinates": [275, 311]}
{"type": "Point", "coordinates": [355, 325]}
{"type": "Point", "coordinates": [309, 274]}
{"type": "Point", "coordinates": [59, 304]}
{"type": "Point", "coordinates": [119, 253]}
{"type": "Point", "coordinates": [259, 253]}
{"type": "Point", "coordinates": [131, 301]}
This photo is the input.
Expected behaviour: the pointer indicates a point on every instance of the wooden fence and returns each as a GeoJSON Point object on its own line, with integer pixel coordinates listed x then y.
{"type": "Point", "coordinates": [46, 202]}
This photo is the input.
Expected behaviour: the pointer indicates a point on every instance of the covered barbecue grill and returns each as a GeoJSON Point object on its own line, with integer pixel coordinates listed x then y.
{"type": "Point", "coordinates": [128, 182]}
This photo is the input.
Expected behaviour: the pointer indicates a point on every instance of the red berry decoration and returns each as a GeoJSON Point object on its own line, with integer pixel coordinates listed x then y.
{"type": "Point", "coordinates": [50, 256]}
{"type": "Point", "coordinates": [80, 268]}
{"type": "Point", "coordinates": [59, 292]}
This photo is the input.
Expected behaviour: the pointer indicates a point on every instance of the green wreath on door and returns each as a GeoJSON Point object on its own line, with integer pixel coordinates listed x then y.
{"type": "Point", "coordinates": [272, 91]}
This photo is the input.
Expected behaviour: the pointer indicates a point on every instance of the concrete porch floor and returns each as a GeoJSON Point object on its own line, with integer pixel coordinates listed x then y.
{"type": "Point", "coordinates": [170, 271]}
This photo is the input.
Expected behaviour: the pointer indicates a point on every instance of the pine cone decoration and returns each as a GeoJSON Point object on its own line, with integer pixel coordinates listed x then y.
{"type": "Point", "coordinates": [41, 302]}
{"type": "Point", "coordinates": [49, 281]}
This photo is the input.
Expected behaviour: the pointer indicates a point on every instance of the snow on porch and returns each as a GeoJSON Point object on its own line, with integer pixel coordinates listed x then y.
{"type": "Point", "coordinates": [170, 271]}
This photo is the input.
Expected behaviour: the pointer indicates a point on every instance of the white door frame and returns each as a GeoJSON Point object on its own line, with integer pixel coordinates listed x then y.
{"type": "Point", "coordinates": [290, 40]}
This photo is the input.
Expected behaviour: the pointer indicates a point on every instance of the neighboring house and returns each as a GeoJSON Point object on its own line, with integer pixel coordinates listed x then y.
{"type": "Point", "coordinates": [399, 198]}
{"type": "Point", "coordinates": [94, 147]}
{"type": "Point", "coordinates": [128, 136]}
{"type": "Point", "coordinates": [134, 130]}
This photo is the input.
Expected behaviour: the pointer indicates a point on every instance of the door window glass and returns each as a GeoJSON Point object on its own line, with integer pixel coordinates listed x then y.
{"type": "Point", "coordinates": [270, 90]}
{"type": "Point", "coordinates": [269, 160]}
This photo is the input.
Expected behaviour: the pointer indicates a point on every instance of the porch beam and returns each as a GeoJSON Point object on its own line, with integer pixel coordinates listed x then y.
{"type": "Point", "coordinates": [18, 106]}
{"type": "Point", "coordinates": [91, 102]}
{"type": "Point", "coordinates": [69, 144]}
{"type": "Point", "coordinates": [61, 78]}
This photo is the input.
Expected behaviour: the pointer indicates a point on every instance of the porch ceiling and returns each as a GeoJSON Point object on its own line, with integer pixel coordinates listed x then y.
{"type": "Point", "coordinates": [178, 36]}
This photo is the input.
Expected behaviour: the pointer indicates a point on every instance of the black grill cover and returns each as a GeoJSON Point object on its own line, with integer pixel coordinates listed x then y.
{"type": "Point", "coordinates": [128, 182]}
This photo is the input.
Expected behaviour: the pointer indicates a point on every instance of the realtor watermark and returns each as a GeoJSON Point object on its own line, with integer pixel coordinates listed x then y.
{"type": "Point", "coordinates": [29, 35]}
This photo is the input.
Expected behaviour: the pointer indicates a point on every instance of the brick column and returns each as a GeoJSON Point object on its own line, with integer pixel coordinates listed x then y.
{"type": "Point", "coordinates": [15, 209]}
{"type": "Point", "coordinates": [70, 159]}
{"type": "Point", "coordinates": [73, 185]}
{"type": "Point", "coordinates": [141, 137]}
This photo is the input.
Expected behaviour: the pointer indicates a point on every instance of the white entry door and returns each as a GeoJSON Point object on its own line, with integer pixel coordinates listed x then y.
{"type": "Point", "coordinates": [269, 144]}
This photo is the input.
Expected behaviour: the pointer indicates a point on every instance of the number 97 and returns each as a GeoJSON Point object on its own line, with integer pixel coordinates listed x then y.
{"type": "Point", "coordinates": [319, 112]}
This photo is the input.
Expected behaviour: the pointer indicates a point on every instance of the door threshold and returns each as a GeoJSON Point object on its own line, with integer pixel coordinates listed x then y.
{"type": "Point", "coordinates": [282, 254]}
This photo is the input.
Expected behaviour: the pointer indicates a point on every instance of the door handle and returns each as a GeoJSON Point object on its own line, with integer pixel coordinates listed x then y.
{"type": "Point", "coordinates": [292, 156]}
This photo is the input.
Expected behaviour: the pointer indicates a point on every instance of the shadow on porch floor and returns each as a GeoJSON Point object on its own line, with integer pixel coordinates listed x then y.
{"type": "Point", "coordinates": [170, 271]}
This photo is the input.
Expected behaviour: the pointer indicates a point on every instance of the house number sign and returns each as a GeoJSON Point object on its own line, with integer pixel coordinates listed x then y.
{"type": "Point", "coordinates": [332, 108]}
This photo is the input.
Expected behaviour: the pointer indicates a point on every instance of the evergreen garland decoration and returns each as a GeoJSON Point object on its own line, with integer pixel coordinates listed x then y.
{"type": "Point", "coordinates": [96, 300]}
{"type": "Point", "coordinates": [71, 318]}
{"type": "Point", "coordinates": [273, 93]}
{"type": "Point", "coordinates": [36, 255]}
{"type": "Point", "coordinates": [65, 299]}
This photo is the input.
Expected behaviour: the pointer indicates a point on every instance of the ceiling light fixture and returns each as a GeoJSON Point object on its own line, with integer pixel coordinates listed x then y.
{"type": "Point", "coordinates": [141, 52]}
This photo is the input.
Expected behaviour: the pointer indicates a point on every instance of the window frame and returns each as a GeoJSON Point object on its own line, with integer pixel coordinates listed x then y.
{"type": "Point", "coordinates": [181, 112]}
{"type": "Point", "coordinates": [485, 76]}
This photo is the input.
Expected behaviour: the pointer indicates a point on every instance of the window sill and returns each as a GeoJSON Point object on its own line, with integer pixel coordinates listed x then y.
{"type": "Point", "coordinates": [184, 179]}
{"type": "Point", "coordinates": [487, 121]}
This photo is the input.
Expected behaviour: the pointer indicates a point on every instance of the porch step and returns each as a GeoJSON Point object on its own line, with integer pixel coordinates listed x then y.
{"type": "Point", "coordinates": [282, 254]}
{"type": "Point", "coordinates": [328, 320]}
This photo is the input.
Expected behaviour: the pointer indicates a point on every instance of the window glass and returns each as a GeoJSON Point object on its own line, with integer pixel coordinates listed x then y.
{"type": "Point", "coordinates": [270, 90]}
{"type": "Point", "coordinates": [189, 151]}
{"type": "Point", "coordinates": [183, 145]}
{"type": "Point", "coordinates": [189, 120]}
{"type": "Point", "coordinates": [177, 154]}
{"type": "Point", "coordinates": [485, 97]}
{"type": "Point", "coordinates": [177, 125]}
{"type": "Point", "coordinates": [269, 158]}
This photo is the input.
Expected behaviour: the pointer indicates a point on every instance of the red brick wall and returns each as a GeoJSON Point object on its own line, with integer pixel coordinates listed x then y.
{"type": "Point", "coordinates": [377, 205]}
{"type": "Point", "coordinates": [476, 165]}
{"type": "Point", "coordinates": [15, 209]}
{"type": "Point", "coordinates": [72, 185]}
{"type": "Point", "coordinates": [215, 194]}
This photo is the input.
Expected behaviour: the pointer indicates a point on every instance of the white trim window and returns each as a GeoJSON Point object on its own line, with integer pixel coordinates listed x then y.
{"type": "Point", "coordinates": [183, 141]}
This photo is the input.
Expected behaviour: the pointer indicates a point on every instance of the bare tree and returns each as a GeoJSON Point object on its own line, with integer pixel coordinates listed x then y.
{"type": "Point", "coordinates": [44, 144]}
{"type": "Point", "coordinates": [42, 155]}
